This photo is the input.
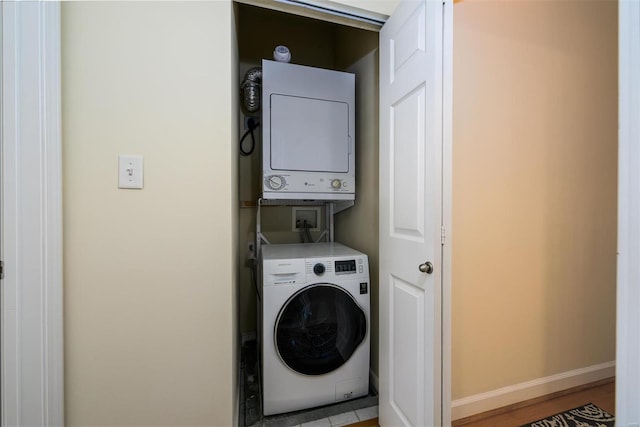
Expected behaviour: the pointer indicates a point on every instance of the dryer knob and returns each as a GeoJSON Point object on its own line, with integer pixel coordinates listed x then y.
{"type": "Point", "coordinates": [318, 269]}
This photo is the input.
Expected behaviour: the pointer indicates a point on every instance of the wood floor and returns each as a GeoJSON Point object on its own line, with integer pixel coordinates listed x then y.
{"type": "Point", "coordinates": [602, 394]}
{"type": "Point", "coordinates": [368, 423]}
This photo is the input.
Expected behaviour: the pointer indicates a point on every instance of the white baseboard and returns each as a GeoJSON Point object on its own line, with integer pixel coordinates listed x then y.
{"type": "Point", "coordinates": [505, 396]}
{"type": "Point", "coordinates": [373, 380]}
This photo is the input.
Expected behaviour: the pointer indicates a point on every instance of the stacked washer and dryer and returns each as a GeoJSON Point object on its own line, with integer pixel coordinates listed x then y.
{"type": "Point", "coordinates": [314, 304]}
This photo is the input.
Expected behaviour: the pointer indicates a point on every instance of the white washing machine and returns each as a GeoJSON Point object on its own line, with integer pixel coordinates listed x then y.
{"type": "Point", "coordinates": [315, 325]}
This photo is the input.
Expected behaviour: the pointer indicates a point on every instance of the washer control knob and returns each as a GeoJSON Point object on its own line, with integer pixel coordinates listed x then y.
{"type": "Point", "coordinates": [336, 183]}
{"type": "Point", "coordinates": [318, 269]}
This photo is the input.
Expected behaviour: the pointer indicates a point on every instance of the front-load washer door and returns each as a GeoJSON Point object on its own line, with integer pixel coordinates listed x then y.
{"type": "Point", "coordinates": [318, 329]}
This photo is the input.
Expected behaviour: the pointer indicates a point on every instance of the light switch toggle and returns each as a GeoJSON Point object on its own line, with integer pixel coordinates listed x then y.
{"type": "Point", "coordinates": [130, 172]}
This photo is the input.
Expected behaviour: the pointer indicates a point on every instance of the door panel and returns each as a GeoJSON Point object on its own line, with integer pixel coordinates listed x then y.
{"type": "Point", "coordinates": [409, 40]}
{"type": "Point", "coordinates": [411, 215]}
{"type": "Point", "coordinates": [407, 351]}
{"type": "Point", "coordinates": [407, 174]}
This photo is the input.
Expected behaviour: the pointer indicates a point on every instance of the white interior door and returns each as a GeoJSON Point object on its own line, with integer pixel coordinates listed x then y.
{"type": "Point", "coordinates": [411, 202]}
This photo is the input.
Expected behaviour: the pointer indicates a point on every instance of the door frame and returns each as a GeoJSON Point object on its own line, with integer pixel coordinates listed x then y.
{"type": "Point", "coordinates": [628, 291]}
{"type": "Point", "coordinates": [31, 294]}
{"type": "Point", "coordinates": [447, 210]}
{"type": "Point", "coordinates": [49, 80]}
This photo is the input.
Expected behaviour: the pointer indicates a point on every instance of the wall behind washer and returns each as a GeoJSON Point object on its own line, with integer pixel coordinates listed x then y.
{"type": "Point", "coordinates": [312, 43]}
{"type": "Point", "coordinates": [357, 227]}
{"type": "Point", "coordinates": [326, 45]}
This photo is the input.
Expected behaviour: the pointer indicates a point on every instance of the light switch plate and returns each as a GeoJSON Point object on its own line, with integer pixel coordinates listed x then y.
{"type": "Point", "coordinates": [130, 172]}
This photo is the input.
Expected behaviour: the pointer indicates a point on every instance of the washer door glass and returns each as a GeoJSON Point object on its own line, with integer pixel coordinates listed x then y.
{"type": "Point", "coordinates": [318, 329]}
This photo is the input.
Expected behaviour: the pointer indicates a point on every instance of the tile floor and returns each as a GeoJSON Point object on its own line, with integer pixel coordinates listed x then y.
{"type": "Point", "coordinates": [345, 418]}
{"type": "Point", "coordinates": [340, 414]}
{"type": "Point", "coordinates": [342, 419]}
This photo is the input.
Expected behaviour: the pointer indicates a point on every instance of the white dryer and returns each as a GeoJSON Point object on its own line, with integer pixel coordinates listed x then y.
{"type": "Point", "coordinates": [315, 325]}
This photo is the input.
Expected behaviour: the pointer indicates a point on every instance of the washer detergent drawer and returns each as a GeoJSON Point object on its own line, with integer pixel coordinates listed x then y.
{"type": "Point", "coordinates": [349, 389]}
{"type": "Point", "coordinates": [284, 272]}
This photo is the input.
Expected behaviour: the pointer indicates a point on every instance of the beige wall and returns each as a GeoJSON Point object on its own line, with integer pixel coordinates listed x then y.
{"type": "Point", "coordinates": [150, 313]}
{"type": "Point", "coordinates": [534, 190]}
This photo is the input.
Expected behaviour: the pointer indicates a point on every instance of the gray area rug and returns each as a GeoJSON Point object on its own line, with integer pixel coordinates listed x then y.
{"type": "Point", "coordinates": [588, 415]}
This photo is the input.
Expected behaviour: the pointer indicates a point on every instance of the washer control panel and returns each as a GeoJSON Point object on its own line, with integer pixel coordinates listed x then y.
{"type": "Point", "coordinates": [346, 266]}
{"type": "Point", "coordinates": [331, 268]}
{"type": "Point", "coordinates": [307, 263]}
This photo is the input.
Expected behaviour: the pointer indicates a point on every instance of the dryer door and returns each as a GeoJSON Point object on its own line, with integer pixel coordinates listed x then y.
{"type": "Point", "coordinates": [319, 328]}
